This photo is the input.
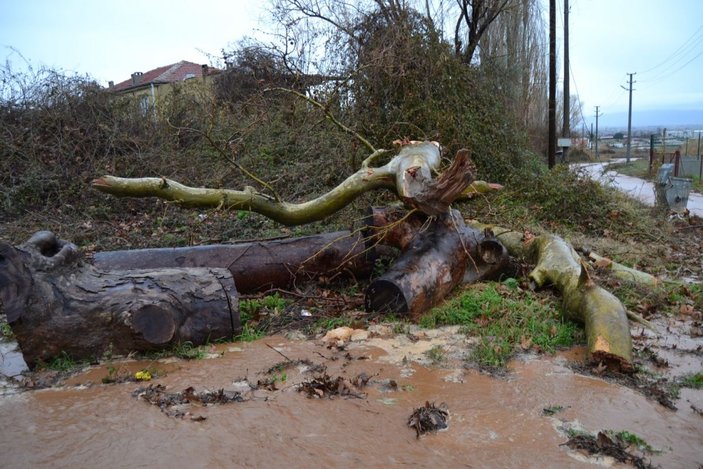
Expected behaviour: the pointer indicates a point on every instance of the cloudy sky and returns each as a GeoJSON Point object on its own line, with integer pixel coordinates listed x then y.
{"type": "Point", "coordinates": [661, 41]}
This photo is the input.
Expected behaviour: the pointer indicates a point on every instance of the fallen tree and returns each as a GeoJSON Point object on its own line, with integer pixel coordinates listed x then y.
{"type": "Point", "coordinates": [558, 264]}
{"type": "Point", "coordinates": [260, 265]}
{"type": "Point", "coordinates": [56, 303]}
{"type": "Point", "coordinates": [438, 251]}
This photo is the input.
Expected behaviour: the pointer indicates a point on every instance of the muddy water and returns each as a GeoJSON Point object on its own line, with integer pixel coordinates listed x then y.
{"type": "Point", "coordinates": [494, 422]}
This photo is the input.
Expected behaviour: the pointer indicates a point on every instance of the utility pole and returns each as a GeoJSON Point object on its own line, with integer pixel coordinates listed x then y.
{"type": "Point", "coordinates": [552, 143]}
{"type": "Point", "coordinates": [629, 119]}
{"type": "Point", "coordinates": [566, 131]}
{"type": "Point", "coordinates": [597, 116]}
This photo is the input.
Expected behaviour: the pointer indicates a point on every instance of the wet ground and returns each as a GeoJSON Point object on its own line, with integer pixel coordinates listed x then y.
{"type": "Point", "coordinates": [520, 418]}
{"type": "Point", "coordinates": [635, 187]}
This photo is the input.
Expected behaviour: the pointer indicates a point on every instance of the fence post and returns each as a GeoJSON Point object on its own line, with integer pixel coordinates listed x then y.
{"type": "Point", "coordinates": [651, 153]}
{"type": "Point", "coordinates": [677, 161]}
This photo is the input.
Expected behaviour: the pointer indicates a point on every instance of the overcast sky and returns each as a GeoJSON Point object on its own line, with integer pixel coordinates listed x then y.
{"type": "Point", "coordinates": [661, 41]}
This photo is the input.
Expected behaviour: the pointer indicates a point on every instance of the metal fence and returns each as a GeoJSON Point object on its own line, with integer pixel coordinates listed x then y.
{"type": "Point", "coordinates": [689, 166]}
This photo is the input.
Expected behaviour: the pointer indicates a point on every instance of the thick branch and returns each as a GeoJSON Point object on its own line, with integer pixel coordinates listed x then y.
{"type": "Point", "coordinates": [604, 316]}
{"type": "Point", "coordinates": [407, 173]}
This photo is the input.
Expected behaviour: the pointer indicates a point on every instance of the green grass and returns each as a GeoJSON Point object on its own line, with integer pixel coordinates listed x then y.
{"type": "Point", "coordinates": [6, 331]}
{"type": "Point", "coordinates": [694, 381]}
{"type": "Point", "coordinates": [504, 318]}
{"type": "Point", "coordinates": [249, 333]}
{"type": "Point", "coordinates": [632, 439]}
{"type": "Point", "coordinates": [249, 309]}
{"type": "Point", "coordinates": [188, 351]}
{"type": "Point", "coordinates": [437, 354]}
{"type": "Point", "coordinates": [62, 362]}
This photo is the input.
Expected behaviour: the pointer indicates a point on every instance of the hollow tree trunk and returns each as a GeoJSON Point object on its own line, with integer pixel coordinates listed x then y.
{"type": "Point", "coordinates": [56, 303]}
{"type": "Point", "coordinates": [259, 265]}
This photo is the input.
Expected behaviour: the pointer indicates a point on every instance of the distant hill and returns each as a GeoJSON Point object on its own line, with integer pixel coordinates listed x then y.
{"type": "Point", "coordinates": [665, 118]}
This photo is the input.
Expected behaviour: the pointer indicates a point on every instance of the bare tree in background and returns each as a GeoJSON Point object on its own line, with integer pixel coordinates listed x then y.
{"type": "Point", "coordinates": [515, 44]}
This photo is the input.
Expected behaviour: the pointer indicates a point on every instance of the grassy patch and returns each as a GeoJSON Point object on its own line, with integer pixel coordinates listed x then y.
{"type": "Point", "coordinates": [188, 351]}
{"type": "Point", "coordinates": [694, 381]}
{"type": "Point", "coordinates": [631, 439]}
{"type": "Point", "coordinates": [505, 318]}
{"type": "Point", "coordinates": [437, 354]}
{"type": "Point", "coordinates": [252, 313]}
{"type": "Point", "coordinates": [62, 362]}
{"type": "Point", "coordinates": [250, 333]}
{"type": "Point", "coordinates": [6, 331]}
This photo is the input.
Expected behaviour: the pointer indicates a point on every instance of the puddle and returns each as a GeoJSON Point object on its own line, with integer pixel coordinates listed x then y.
{"type": "Point", "coordinates": [492, 421]}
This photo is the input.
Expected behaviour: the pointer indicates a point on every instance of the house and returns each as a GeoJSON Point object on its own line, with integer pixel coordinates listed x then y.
{"type": "Point", "coordinates": [149, 86]}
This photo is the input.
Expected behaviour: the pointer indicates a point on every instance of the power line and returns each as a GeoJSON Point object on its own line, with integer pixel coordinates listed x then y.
{"type": "Point", "coordinates": [676, 52]}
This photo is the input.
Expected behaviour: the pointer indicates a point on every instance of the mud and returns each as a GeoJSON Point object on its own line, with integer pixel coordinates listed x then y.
{"type": "Point", "coordinates": [493, 421]}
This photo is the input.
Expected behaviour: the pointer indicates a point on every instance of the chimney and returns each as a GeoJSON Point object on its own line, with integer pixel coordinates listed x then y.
{"type": "Point", "coordinates": [136, 78]}
{"type": "Point", "coordinates": [204, 69]}
{"type": "Point", "coordinates": [110, 85]}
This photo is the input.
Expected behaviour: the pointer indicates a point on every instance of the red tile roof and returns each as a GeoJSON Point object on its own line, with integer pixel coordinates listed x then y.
{"type": "Point", "coordinates": [179, 71]}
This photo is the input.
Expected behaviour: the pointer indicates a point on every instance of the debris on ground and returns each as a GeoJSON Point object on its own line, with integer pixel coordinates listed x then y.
{"type": "Point", "coordinates": [361, 380]}
{"type": "Point", "coordinates": [340, 336]}
{"type": "Point", "coordinates": [607, 444]}
{"type": "Point", "coordinates": [429, 418]}
{"type": "Point", "coordinates": [324, 386]}
{"type": "Point", "coordinates": [552, 410]}
{"type": "Point", "coordinates": [175, 404]}
{"type": "Point", "coordinates": [308, 365]}
{"type": "Point", "coordinates": [659, 389]}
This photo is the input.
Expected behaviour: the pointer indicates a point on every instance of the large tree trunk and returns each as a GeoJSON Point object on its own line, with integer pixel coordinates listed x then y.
{"type": "Point", "coordinates": [437, 255]}
{"type": "Point", "coordinates": [260, 265]}
{"type": "Point", "coordinates": [56, 303]}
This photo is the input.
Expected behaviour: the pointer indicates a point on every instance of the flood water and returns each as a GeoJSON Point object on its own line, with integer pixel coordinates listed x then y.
{"type": "Point", "coordinates": [493, 422]}
{"type": "Point", "coordinates": [635, 187]}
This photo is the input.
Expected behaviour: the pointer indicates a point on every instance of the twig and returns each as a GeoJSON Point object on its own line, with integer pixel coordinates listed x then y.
{"type": "Point", "coordinates": [328, 114]}
{"type": "Point", "coordinates": [278, 352]}
{"type": "Point", "coordinates": [637, 318]}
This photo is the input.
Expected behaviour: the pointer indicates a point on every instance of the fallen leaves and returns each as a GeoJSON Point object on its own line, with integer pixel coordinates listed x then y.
{"type": "Point", "coordinates": [177, 404]}
{"type": "Point", "coordinates": [429, 418]}
{"type": "Point", "coordinates": [323, 386]}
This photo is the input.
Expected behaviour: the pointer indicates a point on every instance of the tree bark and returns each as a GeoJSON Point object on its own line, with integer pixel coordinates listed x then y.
{"type": "Point", "coordinates": [604, 316]}
{"type": "Point", "coordinates": [437, 256]}
{"type": "Point", "coordinates": [56, 303]}
{"type": "Point", "coordinates": [259, 265]}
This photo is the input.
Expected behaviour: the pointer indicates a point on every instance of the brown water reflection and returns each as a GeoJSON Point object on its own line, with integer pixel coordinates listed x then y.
{"type": "Point", "coordinates": [494, 422]}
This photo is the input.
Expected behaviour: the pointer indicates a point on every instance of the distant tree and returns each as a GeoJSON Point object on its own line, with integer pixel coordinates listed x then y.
{"type": "Point", "coordinates": [619, 136]}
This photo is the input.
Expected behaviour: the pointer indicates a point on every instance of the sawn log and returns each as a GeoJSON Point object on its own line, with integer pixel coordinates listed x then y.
{"type": "Point", "coordinates": [437, 255]}
{"type": "Point", "coordinates": [55, 303]}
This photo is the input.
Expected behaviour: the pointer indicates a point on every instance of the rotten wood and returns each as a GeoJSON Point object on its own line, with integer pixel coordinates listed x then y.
{"type": "Point", "coordinates": [56, 303]}
{"type": "Point", "coordinates": [260, 266]}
